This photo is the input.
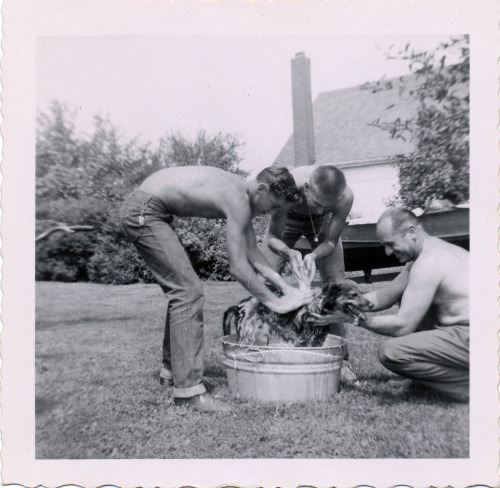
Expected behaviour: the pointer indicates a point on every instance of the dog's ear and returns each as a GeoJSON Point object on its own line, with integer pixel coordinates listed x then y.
{"type": "Point", "coordinates": [331, 288]}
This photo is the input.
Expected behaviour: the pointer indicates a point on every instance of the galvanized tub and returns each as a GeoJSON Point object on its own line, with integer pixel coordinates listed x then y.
{"type": "Point", "coordinates": [282, 373]}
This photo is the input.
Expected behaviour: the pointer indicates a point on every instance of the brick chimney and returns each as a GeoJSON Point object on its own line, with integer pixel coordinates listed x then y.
{"type": "Point", "coordinates": [303, 123]}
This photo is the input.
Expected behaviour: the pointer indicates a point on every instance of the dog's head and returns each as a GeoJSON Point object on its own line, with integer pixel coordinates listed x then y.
{"type": "Point", "coordinates": [344, 296]}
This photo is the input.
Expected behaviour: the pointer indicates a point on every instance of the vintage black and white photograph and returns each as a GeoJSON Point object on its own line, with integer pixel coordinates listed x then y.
{"type": "Point", "coordinates": [350, 232]}
{"type": "Point", "coordinates": [254, 247]}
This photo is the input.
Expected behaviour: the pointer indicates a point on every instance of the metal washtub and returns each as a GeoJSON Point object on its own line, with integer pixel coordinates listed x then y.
{"type": "Point", "coordinates": [278, 373]}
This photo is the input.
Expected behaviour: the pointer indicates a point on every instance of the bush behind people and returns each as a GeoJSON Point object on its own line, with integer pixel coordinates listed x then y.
{"type": "Point", "coordinates": [84, 180]}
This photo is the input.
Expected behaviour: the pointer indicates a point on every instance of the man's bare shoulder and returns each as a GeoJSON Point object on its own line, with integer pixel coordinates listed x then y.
{"type": "Point", "coordinates": [439, 257]}
{"type": "Point", "coordinates": [436, 248]}
{"type": "Point", "coordinates": [343, 205]}
{"type": "Point", "coordinates": [346, 199]}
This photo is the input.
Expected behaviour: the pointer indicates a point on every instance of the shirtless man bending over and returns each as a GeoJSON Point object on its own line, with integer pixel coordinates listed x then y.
{"type": "Point", "coordinates": [431, 329]}
{"type": "Point", "coordinates": [203, 191]}
{"type": "Point", "coordinates": [319, 215]}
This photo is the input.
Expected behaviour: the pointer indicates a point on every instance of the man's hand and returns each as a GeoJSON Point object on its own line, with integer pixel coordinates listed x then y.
{"type": "Point", "coordinates": [287, 289]}
{"type": "Point", "coordinates": [290, 302]}
{"type": "Point", "coordinates": [364, 323]}
{"type": "Point", "coordinates": [299, 270]}
{"type": "Point", "coordinates": [309, 266]}
{"type": "Point", "coordinates": [296, 263]}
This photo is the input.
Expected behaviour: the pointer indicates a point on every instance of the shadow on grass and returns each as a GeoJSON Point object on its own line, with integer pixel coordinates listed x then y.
{"type": "Point", "coordinates": [80, 320]}
{"type": "Point", "coordinates": [390, 390]}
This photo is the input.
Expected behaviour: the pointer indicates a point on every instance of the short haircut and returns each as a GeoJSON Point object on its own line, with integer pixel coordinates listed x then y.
{"type": "Point", "coordinates": [328, 180]}
{"type": "Point", "coordinates": [399, 217]}
{"type": "Point", "coordinates": [280, 182]}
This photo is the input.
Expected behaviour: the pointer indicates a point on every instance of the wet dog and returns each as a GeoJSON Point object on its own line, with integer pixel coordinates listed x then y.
{"type": "Point", "coordinates": [255, 324]}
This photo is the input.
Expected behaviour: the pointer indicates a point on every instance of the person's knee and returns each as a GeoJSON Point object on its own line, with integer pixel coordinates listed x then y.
{"type": "Point", "coordinates": [389, 352]}
{"type": "Point", "coordinates": [189, 293]}
{"type": "Point", "coordinates": [195, 294]}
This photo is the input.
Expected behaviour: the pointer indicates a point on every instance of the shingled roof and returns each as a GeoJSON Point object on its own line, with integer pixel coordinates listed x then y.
{"type": "Point", "coordinates": [342, 132]}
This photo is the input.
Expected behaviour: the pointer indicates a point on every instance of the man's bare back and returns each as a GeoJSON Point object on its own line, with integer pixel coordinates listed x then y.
{"type": "Point", "coordinates": [198, 191]}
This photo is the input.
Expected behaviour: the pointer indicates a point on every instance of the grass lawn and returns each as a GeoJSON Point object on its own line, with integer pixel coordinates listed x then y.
{"type": "Point", "coordinates": [98, 353]}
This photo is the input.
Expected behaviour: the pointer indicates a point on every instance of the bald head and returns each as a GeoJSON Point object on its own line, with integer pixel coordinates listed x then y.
{"type": "Point", "coordinates": [399, 231]}
{"type": "Point", "coordinates": [398, 218]}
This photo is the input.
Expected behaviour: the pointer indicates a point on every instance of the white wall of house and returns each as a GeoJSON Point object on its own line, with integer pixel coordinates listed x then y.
{"type": "Point", "coordinates": [373, 183]}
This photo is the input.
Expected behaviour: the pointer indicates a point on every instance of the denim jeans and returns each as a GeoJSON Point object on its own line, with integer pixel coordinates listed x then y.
{"type": "Point", "coordinates": [146, 220]}
{"type": "Point", "coordinates": [330, 268]}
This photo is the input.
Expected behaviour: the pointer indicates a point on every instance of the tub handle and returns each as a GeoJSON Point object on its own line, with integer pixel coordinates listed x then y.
{"type": "Point", "coordinates": [253, 356]}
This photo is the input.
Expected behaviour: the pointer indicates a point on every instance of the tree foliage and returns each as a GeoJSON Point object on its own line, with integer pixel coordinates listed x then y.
{"type": "Point", "coordinates": [438, 168]}
{"type": "Point", "coordinates": [220, 150]}
{"type": "Point", "coordinates": [83, 181]}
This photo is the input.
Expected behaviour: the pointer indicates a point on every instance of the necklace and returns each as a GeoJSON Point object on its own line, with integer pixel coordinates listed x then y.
{"type": "Point", "coordinates": [312, 223]}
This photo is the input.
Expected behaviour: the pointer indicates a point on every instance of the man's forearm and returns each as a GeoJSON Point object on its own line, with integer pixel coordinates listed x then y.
{"type": "Point", "coordinates": [272, 276]}
{"type": "Point", "coordinates": [249, 279]}
{"type": "Point", "coordinates": [259, 262]}
{"type": "Point", "coordinates": [324, 250]}
{"type": "Point", "coordinates": [246, 275]}
{"type": "Point", "coordinates": [279, 247]}
{"type": "Point", "coordinates": [380, 300]}
{"type": "Point", "coordinates": [388, 325]}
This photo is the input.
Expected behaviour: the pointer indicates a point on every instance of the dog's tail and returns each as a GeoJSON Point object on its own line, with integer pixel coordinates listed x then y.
{"type": "Point", "coordinates": [230, 320]}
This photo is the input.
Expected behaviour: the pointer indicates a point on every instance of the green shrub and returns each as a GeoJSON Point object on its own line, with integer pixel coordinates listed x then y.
{"type": "Point", "coordinates": [205, 244]}
{"type": "Point", "coordinates": [118, 263]}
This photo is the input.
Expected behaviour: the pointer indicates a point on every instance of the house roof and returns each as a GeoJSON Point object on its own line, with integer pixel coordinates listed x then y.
{"type": "Point", "coordinates": [342, 133]}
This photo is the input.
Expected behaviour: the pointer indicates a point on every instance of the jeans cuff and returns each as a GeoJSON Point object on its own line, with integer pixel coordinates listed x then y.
{"type": "Point", "coordinates": [196, 390]}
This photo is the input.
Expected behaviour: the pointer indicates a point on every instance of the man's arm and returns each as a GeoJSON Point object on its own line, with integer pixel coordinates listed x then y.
{"type": "Point", "coordinates": [273, 241]}
{"type": "Point", "coordinates": [238, 220]}
{"type": "Point", "coordinates": [424, 279]}
{"type": "Point", "coordinates": [383, 298]}
{"type": "Point", "coordinates": [337, 224]}
{"type": "Point", "coordinates": [392, 293]}
{"type": "Point", "coordinates": [259, 262]}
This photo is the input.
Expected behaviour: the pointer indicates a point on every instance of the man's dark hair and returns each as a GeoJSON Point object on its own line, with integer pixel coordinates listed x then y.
{"type": "Point", "coordinates": [400, 218]}
{"type": "Point", "coordinates": [328, 180]}
{"type": "Point", "coordinates": [280, 182]}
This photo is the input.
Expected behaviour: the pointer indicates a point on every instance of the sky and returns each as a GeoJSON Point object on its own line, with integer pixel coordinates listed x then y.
{"type": "Point", "coordinates": [148, 86]}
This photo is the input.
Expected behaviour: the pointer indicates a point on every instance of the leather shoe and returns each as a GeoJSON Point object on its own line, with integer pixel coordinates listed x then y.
{"type": "Point", "coordinates": [204, 403]}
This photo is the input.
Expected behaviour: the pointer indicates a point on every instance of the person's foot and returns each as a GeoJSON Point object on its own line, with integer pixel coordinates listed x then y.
{"type": "Point", "coordinates": [166, 377]}
{"type": "Point", "coordinates": [204, 403]}
{"type": "Point", "coordinates": [347, 375]}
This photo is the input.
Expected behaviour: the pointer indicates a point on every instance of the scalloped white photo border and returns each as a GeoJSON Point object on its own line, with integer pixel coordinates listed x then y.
{"type": "Point", "coordinates": [24, 20]}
